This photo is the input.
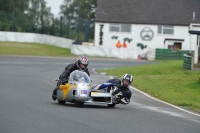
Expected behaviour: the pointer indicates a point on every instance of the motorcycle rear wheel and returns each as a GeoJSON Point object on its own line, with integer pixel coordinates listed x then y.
{"type": "Point", "coordinates": [111, 105]}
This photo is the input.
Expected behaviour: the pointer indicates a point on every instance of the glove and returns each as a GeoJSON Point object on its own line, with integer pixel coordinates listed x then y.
{"type": "Point", "coordinates": [116, 100]}
{"type": "Point", "coordinates": [124, 101]}
{"type": "Point", "coordinates": [118, 95]}
{"type": "Point", "coordinates": [63, 81]}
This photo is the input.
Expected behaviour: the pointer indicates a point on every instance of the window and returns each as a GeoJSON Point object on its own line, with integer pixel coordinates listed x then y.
{"type": "Point", "coordinates": [114, 27]}
{"type": "Point", "coordinates": [120, 28]}
{"type": "Point", "coordinates": [126, 28]}
{"type": "Point", "coordinates": [165, 29]}
{"type": "Point", "coordinates": [176, 46]}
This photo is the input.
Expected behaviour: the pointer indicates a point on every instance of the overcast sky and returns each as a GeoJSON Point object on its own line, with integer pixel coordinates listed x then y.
{"type": "Point", "coordinates": [55, 5]}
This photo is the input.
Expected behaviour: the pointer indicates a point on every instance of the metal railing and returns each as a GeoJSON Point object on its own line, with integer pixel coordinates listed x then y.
{"type": "Point", "coordinates": [187, 62]}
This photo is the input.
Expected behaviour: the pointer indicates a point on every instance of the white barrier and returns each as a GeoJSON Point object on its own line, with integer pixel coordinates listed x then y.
{"type": "Point", "coordinates": [151, 54]}
{"type": "Point", "coordinates": [100, 51]}
{"type": "Point", "coordinates": [37, 38]}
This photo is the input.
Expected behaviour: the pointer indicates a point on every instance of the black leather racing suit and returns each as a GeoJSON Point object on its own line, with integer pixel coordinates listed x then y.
{"type": "Point", "coordinates": [123, 93]}
{"type": "Point", "coordinates": [65, 75]}
{"type": "Point", "coordinates": [70, 68]}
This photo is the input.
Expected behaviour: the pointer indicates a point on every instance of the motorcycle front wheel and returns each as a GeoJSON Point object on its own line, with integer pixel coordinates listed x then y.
{"type": "Point", "coordinates": [79, 104]}
{"type": "Point", "coordinates": [61, 102]}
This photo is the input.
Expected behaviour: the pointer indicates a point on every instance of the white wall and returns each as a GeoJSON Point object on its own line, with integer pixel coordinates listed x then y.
{"type": "Point", "coordinates": [37, 38]}
{"type": "Point", "coordinates": [180, 32]}
{"type": "Point", "coordinates": [99, 51]}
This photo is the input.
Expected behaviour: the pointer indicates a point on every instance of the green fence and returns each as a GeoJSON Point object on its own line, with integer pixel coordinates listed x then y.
{"type": "Point", "coordinates": [187, 62]}
{"type": "Point", "coordinates": [168, 54]}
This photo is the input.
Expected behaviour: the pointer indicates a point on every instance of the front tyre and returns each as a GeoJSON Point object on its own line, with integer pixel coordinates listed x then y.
{"type": "Point", "coordinates": [79, 104]}
{"type": "Point", "coordinates": [111, 105]}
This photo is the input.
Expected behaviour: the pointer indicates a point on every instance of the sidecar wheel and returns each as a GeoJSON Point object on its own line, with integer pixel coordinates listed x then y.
{"type": "Point", "coordinates": [79, 104]}
{"type": "Point", "coordinates": [111, 105]}
{"type": "Point", "coordinates": [61, 102]}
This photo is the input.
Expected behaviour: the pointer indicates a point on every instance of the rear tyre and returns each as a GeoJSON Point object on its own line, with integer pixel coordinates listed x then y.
{"type": "Point", "coordinates": [79, 104]}
{"type": "Point", "coordinates": [111, 105]}
{"type": "Point", "coordinates": [61, 102]}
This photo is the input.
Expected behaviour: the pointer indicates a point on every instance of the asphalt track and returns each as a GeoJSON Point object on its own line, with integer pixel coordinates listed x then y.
{"type": "Point", "coordinates": [26, 85]}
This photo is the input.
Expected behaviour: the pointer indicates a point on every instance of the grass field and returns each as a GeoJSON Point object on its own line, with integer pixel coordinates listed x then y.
{"type": "Point", "coordinates": [166, 80]}
{"type": "Point", "coordinates": [10, 48]}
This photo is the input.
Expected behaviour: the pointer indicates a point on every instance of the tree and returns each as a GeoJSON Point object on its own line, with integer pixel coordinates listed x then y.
{"type": "Point", "coordinates": [77, 12]}
{"type": "Point", "coordinates": [12, 16]}
{"type": "Point", "coordinates": [35, 16]}
{"type": "Point", "coordinates": [39, 16]}
{"type": "Point", "coordinates": [25, 16]}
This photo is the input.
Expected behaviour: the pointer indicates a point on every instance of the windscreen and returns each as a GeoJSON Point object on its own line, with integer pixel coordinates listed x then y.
{"type": "Point", "coordinates": [79, 76]}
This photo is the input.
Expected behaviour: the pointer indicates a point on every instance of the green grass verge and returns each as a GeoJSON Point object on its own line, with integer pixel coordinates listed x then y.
{"type": "Point", "coordinates": [34, 49]}
{"type": "Point", "coordinates": [167, 81]}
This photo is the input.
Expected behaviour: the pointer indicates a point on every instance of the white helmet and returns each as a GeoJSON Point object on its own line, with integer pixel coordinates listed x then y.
{"type": "Point", "coordinates": [128, 78]}
{"type": "Point", "coordinates": [82, 60]}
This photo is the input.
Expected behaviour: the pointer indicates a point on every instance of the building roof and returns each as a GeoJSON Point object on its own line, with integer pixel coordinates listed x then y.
{"type": "Point", "coordinates": [163, 12]}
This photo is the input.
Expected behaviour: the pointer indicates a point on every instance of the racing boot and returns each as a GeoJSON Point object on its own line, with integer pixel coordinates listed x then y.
{"type": "Point", "coordinates": [54, 95]}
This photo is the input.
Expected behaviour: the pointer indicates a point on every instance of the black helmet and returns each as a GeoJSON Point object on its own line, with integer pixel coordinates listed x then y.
{"type": "Point", "coordinates": [127, 79]}
{"type": "Point", "coordinates": [82, 62]}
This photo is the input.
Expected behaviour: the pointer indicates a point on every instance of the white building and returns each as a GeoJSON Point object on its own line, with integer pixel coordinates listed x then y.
{"type": "Point", "coordinates": [151, 23]}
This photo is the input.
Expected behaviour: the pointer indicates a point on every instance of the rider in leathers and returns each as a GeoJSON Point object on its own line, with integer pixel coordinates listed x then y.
{"type": "Point", "coordinates": [122, 94]}
{"type": "Point", "coordinates": [81, 64]}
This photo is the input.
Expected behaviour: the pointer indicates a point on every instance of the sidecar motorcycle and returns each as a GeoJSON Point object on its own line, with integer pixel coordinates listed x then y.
{"type": "Point", "coordinates": [78, 90]}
